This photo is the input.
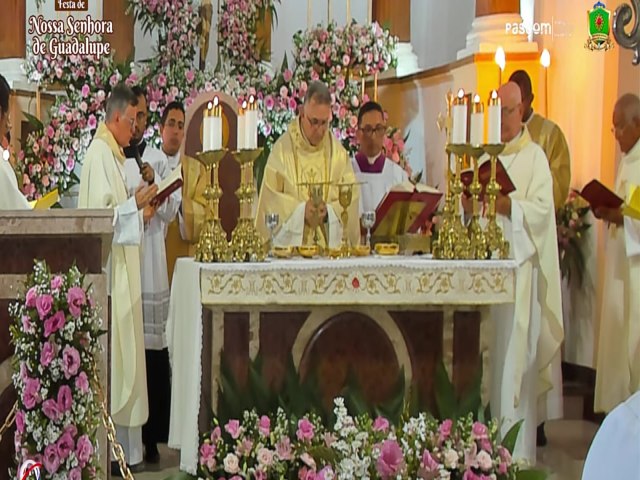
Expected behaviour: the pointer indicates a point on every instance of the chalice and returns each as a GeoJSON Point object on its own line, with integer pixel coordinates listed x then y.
{"type": "Point", "coordinates": [368, 220]}
{"type": "Point", "coordinates": [271, 221]}
{"type": "Point", "coordinates": [345, 197]}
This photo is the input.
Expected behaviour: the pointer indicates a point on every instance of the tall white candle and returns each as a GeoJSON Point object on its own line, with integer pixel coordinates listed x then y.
{"type": "Point", "coordinates": [247, 128]}
{"type": "Point", "coordinates": [495, 119]}
{"type": "Point", "coordinates": [459, 135]}
{"type": "Point", "coordinates": [241, 135]}
{"type": "Point", "coordinates": [252, 124]}
{"type": "Point", "coordinates": [207, 126]}
{"type": "Point", "coordinates": [369, 11]}
{"type": "Point", "coordinates": [348, 12]}
{"type": "Point", "coordinates": [329, 12]}
{"type": "Point", "coordinates": [476, 134]}
{"type": "Point", "coordinates": [216, 125]}
{"type": "Point", "coordinates": [309, 14]}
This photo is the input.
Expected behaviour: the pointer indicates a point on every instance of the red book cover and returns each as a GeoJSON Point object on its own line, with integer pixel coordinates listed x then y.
{"type": "Point", "coordinates": [484, 176]}
{"type": "Point", "coordinates": [163, 194]}
{"type": "Point", "coordinates": [598, 196]}
{"type": "Point", "coordinates": [402, 212]}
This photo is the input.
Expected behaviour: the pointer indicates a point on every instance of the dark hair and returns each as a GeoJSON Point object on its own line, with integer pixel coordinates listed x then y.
{"type": "Point", "coordinates": [138, 91]}
{"type": "Point", "coordinates": [319, 92]}
{"type": "Point", "coordinates": [175, 105]}
{"type": "Point", "coordinates": [369, 107]}
{"type": "Point", "coordinates": [524, 82]}
{"type": "Point", "coordinates": [5, 93]}
{"type": "Point", "coordinates": [120, 98]}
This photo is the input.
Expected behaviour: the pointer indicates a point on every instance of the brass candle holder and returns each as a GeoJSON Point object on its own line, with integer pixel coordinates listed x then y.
{"type": "Point", "coordinates": [461, 242]}
{"type": "Point", "coordinates": [212, 244]}
{"type": "Point", "coordinates": [345, 197]}
{"type": "Point", "coordinates": [476, 234]}
{"type": "Point", "coordinates": [246, 243]}
{"type": "Point", "coordinates": [493, 233]}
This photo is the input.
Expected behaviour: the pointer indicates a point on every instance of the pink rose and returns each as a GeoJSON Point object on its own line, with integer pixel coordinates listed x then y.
{"type": "Point", "coordinates": [31, 393]}
{"type": "Point", "coordinates": [269, 103]}
{"type": "Point", "coordinates": [43, 305]}
{"type": "Point", "coordinates": [82, 382]}
{"type": "Point", "coordinates": [287, 75]}
{"type": "Point", "coordinates": [216, 435]}
{"type": "Point", "coordinates": [244, 449]}
{"type": "Point", "coordinates": [65, 398]}
{"type": "Point", "coordinates": [305, 430]}
{"type": "Point", "coordinates": [85, 91]}
{"type": "Point", "coordinates": [283, 449]}
{"type": "Point", "coordinates": [208, 456]}
{"type": "Point", "coordinates": [84, 450]}
{"type": "Point", "coordinates": [48, 354]}
{"type": "Point", "coordinates": [325, 474]}
{"type": "Point", "coordinates": [444, 431]}
{"type": "Point", "coordinates": [65, 445]}
{"type": "Point", "coordinates": [469, 475]}
{"type": "Point", "coordinates": [70, 361]}
{"type": "Point", "coordinates": [233, 429]}
{"type": "Point", "coordinates": [54, 323]}
{"type": "Point", "coordinates": [391, 461]}
{"type": "Point", "coordinates": [51, 459]}
{"type": "Point", "coordinates": [264, 426]}
{"type": "Point", "coordinates": [479, 431]}
{"type": "Point", "coordinates": [26, 323]}
{"type": "Point", "coordinates": [20, 421]}
{"type": "Point", "coordinates": [381, 424]}
{"type": "Point", "coordinates": [428, 465]}
{"type": "Point", "coordinates": [75, 474]}
{"type": "Point", "coordinates": [77, 299]}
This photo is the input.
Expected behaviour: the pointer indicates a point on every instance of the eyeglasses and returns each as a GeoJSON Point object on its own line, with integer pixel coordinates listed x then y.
{"type": "Point", "coordinates": [378, 131]}
{"type": "Point", "coordinates": [316, 122]}
{"type": "Point", "coordinates": [129, 119]}
{"type": "Point", "coordinates": [508, 111]}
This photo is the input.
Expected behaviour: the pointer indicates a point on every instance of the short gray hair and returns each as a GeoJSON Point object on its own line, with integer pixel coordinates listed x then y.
{"type": "Point", "coordinates": [318, 92]}
{"type": "Point", "coordinates": [629, 105]}
{"type": "Point", "coordinates": [120, 98]}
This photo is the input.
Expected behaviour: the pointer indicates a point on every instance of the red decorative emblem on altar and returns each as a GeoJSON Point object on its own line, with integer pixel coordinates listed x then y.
{"type": "Point", "coordinates": [355, 283]}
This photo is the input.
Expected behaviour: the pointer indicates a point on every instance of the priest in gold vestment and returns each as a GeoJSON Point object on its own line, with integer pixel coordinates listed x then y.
{"type": "Point", "coordinates": [308, 153]}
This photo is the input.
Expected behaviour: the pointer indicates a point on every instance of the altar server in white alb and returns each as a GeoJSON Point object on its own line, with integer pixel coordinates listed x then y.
{"type": "Point", "coordinates": [155, 279]}
{"type": "Point", "coordinates": [618, 369]}
{"type": "Point", "coordinates": [103, 185]}
{"type": "Point", "coordinates": [377, 173]}
{"type": "Point", "coordinates": [11, 198]}
{"type": "Point", "coordinates": [527, 383]}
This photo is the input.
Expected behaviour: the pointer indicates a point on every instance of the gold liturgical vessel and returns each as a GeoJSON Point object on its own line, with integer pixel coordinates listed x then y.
{"type": "Point", "coordinates": [316, 195]}
{"type": "Point", "coordinates": [212, 244]}
{"type": "Point", "coordinates": [345, 197]}
{"type": "Point", "coordinates": [246, 242]}
{"type": "Point", "coordinates": [493, 233]}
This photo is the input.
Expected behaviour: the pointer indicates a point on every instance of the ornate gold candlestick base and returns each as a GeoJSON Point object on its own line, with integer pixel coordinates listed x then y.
{"type": "Point", "coordinates": [460, 240]}
{"type": "Point", "coordinates": [212, 244]}
{"type": "Point", "coordinates": [476, 234]}
{"type": "Point", "coordinates": [345, 197]}
{"type": "Point", "coordinates": [493, 233]}
{"type": "Point", "coordinates": [246, 243]}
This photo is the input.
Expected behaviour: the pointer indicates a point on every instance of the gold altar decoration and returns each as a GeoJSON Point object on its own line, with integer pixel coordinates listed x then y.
{"type": "Point", "coordinates": [316, 195]}
{"type": "Point", "coordinates": [345, 197]}
{"type": "Point", "coordinates": [493, 233]}
{"type": "Point", "coordinates": [212, 244]}
{"type": "Point", "coordinates": [246, 242]}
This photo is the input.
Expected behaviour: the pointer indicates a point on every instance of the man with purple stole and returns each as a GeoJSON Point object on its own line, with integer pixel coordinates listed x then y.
{"type": "Point", "coordinates": [377, 173]}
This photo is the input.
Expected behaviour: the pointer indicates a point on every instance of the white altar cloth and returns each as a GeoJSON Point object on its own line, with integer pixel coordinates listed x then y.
{"type": "Point", "coordinates": [383, 281]}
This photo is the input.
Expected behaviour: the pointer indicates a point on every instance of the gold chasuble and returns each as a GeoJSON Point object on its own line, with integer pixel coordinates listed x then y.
{"type": "Point", "coordinates": [551, 139]}
{"type": "Point", "coordinates": [183, 244]}
{"type": "Point", "coordinates": [102, 185]}
{"type": "Point", "coordinates": [292, 162]}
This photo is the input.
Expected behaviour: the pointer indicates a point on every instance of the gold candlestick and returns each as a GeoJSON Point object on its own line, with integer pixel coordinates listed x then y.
{"type": "Point", "coordinates": [476, 235]}
{"type": "Point", "coordinates": [345, 197]}
{"type": "Point", "coordinates": [212, 244]}
{"type": "Point", "coordinates": [493, 233]}
{"type": "Point", "coordinates": [246, 243]}
{"type": "Point", "coordinates": [461, 242]}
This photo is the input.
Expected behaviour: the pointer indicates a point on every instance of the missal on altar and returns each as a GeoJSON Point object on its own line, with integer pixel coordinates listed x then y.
{"type": "Point", "coordinates": [484, 176]}
{"type": "Point", "coordinates": [47, 201]}
{"type": "Point", "coordinates": [167, 186]}
{"type": "Point", "coordinates": [404, 209]}
{"type": "Point", "coordinates": [599, 196]}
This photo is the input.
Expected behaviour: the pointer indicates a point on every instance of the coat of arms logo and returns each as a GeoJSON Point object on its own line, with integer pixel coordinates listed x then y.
{"type": "Point", "coordinates": [599, 28]}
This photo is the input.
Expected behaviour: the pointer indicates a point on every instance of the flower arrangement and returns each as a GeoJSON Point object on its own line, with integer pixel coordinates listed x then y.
{"type": "Point", "coordinates": [395, 148]}
{"type": "Point", "coordinates": [571, 225]}
{"type": "Point", "coordinates": [55, 332]}
{"type": "Point", "coordinates": [360, 447]}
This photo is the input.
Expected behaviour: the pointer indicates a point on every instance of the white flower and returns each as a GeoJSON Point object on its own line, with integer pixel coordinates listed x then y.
{"type": "Point", "coordinates": [484, 461]}
{"type": "Point", "coordinates": [231, 464]}
{"type": "Point", "coordinates": [265, 457]}
{"type": "Point", "coordinates": [451, 458]}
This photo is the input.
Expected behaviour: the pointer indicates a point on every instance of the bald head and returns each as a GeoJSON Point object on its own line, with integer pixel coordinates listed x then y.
{"type": "Point", "coordinates": [523, 80]}
{"type": "Point", "coordinates": [626, 121]}
{"type": "Point", "coordinates": [512, 109]}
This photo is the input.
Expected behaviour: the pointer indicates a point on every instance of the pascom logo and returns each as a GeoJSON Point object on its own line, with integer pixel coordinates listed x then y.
{"type": "Point", "coordinates": [29, 470]}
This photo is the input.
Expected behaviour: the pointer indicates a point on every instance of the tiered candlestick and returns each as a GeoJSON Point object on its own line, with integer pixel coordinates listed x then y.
{"type": "Point", "coordinates": [496, 244]}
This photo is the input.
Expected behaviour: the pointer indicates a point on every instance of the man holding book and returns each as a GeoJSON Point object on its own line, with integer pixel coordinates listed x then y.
{"type": "Point", "coordinates": [618, 368]}
{"type": "Point", "coordinates": [146, 165]}
{"type": "Point", "coordinates": [103, 185]}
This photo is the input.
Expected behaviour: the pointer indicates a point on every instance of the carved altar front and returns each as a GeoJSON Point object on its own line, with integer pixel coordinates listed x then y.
{"type": "Point", "coordinates": [371, 316]}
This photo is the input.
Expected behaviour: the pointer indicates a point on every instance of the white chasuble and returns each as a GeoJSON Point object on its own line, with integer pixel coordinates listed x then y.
{"type": "Point", "coordinates": [618, 366]}
{"type": "Point", "coordinates": [378, 176]}
{"type": "Point", "coordinates": [103, 185]}
{"type": "Point", "coordinates": [11, 198]}
{"type": "Point", "coordinates": [294, 161]}
{"type": "Point", "coordinates": [529, 333]}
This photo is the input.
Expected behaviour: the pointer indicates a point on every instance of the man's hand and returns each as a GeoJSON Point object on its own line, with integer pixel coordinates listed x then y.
{"type": "Point", "coordinates": [611, 215]}
{"type": "Point", "coordinates": [314, 216]}
{"type": "Point", "coordinates": [144, 194]}
{"type": "Point", "coordinates": [503, 205]}
{"type": "Point", "coordinates": [148, 175]}
{"type": "Point", "coordinates": [147, 213]}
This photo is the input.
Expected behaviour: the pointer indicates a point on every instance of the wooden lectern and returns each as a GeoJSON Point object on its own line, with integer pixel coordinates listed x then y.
{"type": "Point", "coordinates": [61, 238]}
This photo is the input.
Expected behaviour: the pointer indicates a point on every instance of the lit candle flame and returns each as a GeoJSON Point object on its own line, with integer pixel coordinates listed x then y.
{"type": "Point", "coordinates": [461, 93]}
{"type": "Point", "coordinates": [500, 58]}
{"type": "Point", "coordinates": [494, 94]}
{"type": "Point", "coordinates": [252, 99]}
{"type": "Point", "coordinates": [244, 105]}
{"type": "Point", "coordinates": [545, 58]}
{"type": "Point", "coordinates": [476, 99]}
{"type": "Point", "coordinates": [216, 101]}
{"type": "Point", "coordinates": [209, 106]}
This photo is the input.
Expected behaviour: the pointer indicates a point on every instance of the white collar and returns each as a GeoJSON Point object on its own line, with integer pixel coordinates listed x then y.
{"type": "Point", "coordinates": [5, 154]}
{"type": "Point", "coordinates": [634, 152]}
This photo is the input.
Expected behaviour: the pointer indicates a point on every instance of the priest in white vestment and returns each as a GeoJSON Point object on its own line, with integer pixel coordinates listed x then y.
{"type": "Point", "coordinates": [155, 279]}
{"type": "Point", "coordinates": [377, 173]}
{"type": "Point", "coordinates": [103, 185]}
{"type": "Point", "coordinates": [618, 353]}
{"type": "Point", "coordinates": [526, 355]}
{"type": "Point", "coordinates": [11, 198]}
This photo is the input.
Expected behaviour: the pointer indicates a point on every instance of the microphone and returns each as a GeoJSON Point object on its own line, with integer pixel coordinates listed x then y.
{"type": "Point", "coordinates": [136, 155]}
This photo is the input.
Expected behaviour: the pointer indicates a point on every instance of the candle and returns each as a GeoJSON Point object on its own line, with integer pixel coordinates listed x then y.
{"type": "Point", "coordinates": [328, 12]}
{"type": "Point", "coordinates": [495, 119]}
{"type": "Point", "coordinates": [251, 124]}
{"type": "Point", "coordinates": [476, 136]}
{"type": "Point", "coordinates": [309, 21]}
{"type": "Point", "coordinates": [501, 60]}
{"type": "Point", "coordinates": [369, 8]}
{"type": "Point", "coordinates": [459, 119]}
{"type": "Point", "coordinates": [348, 12]}
{"type": "Point", "coordinates": [216, 125]}
{"type": "Point", "coordinates": [241, 135]}
{"type": "Point", "coordinates": [207, 127]}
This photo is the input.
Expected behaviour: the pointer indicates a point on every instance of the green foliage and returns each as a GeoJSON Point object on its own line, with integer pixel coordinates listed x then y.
{"type": "Point", "coordinates": [509, 440]}
{"type": "Point", "coordinates": [449, 405]}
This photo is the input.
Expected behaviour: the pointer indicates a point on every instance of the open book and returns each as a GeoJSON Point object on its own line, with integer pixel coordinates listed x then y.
{"type": "Point", "coordinates": [404, 209]}
{"type": "Point", "coordinates": [47, 201]}
{"type": "Point", "coordinates": [484, 176]}
{"type": "Point", "coordinates": [598, 196]}
{"type": "Point", "coordinates": [167, 186]}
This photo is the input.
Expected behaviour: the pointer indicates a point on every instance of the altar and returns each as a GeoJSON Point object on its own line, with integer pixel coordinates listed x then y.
{"type": "Point", "coordinates": [375, 315]}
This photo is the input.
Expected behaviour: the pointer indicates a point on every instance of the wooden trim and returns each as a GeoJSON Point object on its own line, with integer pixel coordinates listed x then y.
{"type": "Point", "coordinates": [13, 33]}
{"type": "Point", "coordinates": [494, 7]}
